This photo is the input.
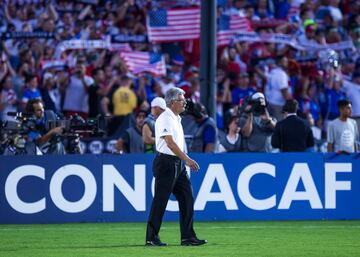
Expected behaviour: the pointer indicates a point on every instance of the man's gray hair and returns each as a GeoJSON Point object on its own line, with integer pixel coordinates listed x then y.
{"type": "Point", "coordinates": [173, 94]}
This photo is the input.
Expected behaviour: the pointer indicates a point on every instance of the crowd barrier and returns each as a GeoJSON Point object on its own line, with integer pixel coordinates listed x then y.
{"type": "Point", "coordinates": [119, 188]}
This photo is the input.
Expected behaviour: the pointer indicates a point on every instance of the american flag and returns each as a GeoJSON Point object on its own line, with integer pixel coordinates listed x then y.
{"type": "Point", "coordinates": [138, 62]}
{"type": "Point", "coordinates": [173, 25]}
{"type": "Point", "coordinates": [228, 26]}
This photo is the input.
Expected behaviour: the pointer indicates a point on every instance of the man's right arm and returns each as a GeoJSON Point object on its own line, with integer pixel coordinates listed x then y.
{"type": "Point", "coordinates": [53, 132]}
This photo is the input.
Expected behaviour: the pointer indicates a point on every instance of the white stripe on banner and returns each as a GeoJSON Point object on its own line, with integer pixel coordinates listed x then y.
{"type": "Point", "coordinates": [90, 44]}
{"type": "Point", "coordinates": [289, 40]}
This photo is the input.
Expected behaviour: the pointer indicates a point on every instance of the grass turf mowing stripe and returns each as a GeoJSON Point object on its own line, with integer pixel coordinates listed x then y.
{"type": "Point", "coordinates": [277, 239]}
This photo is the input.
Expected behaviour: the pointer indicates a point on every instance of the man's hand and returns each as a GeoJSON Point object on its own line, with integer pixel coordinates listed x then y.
{"type": "Point", "coordinates": [194, 166]}
{"type": "Point", "coordinates": [57, 131]}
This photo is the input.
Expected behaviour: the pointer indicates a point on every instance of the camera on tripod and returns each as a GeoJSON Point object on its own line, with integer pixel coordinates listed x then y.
{"type": "Point", "coordinates": [74, 127]}
{"type": "Point", "coordinates": [77, 125]}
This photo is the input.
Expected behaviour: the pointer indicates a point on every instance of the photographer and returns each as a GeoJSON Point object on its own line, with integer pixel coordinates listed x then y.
{"type": "Point", "coordinates": [204, 131]}
{"type": "Point", "coordinates": [47, 140]}
{"type": "Point", "coordinates": [256, 125]}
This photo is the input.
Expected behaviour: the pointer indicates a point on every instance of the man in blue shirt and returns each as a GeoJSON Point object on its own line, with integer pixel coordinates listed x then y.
{"type": "Point", "coordinates": [47, 140]}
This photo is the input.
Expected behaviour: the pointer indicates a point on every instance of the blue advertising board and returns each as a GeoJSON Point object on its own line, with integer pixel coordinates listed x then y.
{"type": "Point", "coordinates": [239, 186]}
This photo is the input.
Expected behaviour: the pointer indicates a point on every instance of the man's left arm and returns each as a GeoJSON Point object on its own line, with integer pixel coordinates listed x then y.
{"type": "Point", "coordinates": [276, 137]}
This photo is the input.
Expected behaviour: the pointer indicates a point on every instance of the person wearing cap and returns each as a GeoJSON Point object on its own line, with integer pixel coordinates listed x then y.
{"type": "Point", "coordinates": [158, 105]}
{"type": "Point", "coordinates": [292, 134]}
{"type": "Point", "coordinates": [256, 125]}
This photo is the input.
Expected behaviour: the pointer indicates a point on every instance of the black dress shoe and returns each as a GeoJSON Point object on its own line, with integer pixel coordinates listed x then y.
{"type": "Point", "coordinates": [193, 241]}
{"type": "Point", "coordinates": [155, 242]}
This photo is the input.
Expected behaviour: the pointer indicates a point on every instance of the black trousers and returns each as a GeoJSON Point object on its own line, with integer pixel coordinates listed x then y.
{"type": "Point", "coordinates": [171, 177]}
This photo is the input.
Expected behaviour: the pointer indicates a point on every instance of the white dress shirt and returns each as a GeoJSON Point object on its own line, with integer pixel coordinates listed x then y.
{"type": "Point", "coordinates": [168, 124]}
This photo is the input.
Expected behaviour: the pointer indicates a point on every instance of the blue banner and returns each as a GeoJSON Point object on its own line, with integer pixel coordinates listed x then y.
{"type": "Point", "coordinates": [113, 188]}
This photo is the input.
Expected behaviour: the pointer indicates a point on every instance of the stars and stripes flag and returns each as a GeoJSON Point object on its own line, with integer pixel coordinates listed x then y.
{"type": "Point", "coordinates": [173, 25]}
{"type": "Point", "coordinates": [228, 26]}
{"type": "Point", "coordinates": [138, 62]}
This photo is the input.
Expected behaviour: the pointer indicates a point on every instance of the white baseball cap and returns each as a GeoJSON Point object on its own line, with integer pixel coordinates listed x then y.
{"type": "Point", "coordinates": [47, 76]}
{"type": "Point", "coordinates": [158, 101]}
{"type": "Point", "coordinates": [257, 95]}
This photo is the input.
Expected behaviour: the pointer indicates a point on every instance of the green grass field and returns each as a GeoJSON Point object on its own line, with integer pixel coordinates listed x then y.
{"type": "Point", "coordinates": [278, 239]}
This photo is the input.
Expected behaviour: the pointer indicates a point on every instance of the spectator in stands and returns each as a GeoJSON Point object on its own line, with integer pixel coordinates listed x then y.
{"type": "Point", "coordinates": [96, 90]}
{"type": "Point", "coordinates": [352, 89]}
{"type": "Point", "coordinates": [124, 98]}
{"type": "Point", "coordinates": [32, 91]}
{"type": "Point", "coordinates": [242, 89]}
{"type": "Point", "coordinates": [131, 141]}
{"type": "Point", "coordinates": [158, 105]}
{"type": "Point", "coordinates": [167, 82]}
{"type": "Point", "coordinates": [76, 92]}
{"type": "Point", "coordinates": [292, 134]}
{"type": "Point", "coordinates": [263, 10]}
{"type": "Point", "coordinates": [66, 20]}
{"type": "Point", "coordinates": [333, 93]}
{"type": "Point", "coordinates": [144, 87]}
{"type": "Point", "coordinates": [231, 140]}
{"type": "Point", "coordinates": [343, 133]}
{"type": "Point", "coordinates": [50, 93]}
{"type": "Point", "coordinates": [8, 99]}
{"type": "Point", "coordinates": [277, 89]}
{"type": "Point", "coordinates": [256, 125]}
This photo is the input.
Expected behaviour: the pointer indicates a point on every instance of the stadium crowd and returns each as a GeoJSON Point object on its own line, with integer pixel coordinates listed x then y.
{"type": "Point", "coordinates": [73, 56]}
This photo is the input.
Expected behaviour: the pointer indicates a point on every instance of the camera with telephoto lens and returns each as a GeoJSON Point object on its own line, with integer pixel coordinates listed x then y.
{"type": "Point", "coordinates": [74, 127]}
{"type": "Point", "coordinates": [255, 106]}
{"type": "Point", "coordinates": [195, 109]}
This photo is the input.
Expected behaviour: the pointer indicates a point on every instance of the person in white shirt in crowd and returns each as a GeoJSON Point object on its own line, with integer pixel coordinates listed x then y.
{"type": "Point", "coordinates": [352, 89]}
{"type": "Point", "coordinates": [8, 99]}
{"type": "Point", "coordinates": [343, 132]}
{"type": "Point", "coordinates": [76, 92]}
{"type": "Point", "coordinates": [277, 89]}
